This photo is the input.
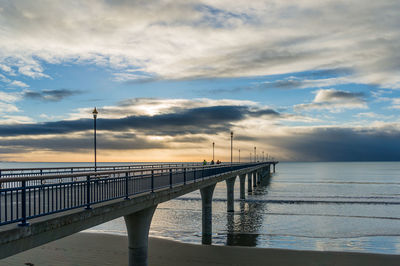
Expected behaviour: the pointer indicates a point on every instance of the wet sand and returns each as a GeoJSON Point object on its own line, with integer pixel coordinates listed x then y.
{"type": "Point", "coordinates": [106, 249]}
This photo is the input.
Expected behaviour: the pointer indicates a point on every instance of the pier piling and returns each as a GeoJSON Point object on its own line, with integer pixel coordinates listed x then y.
{"type": "Point", "coordinates": [230, 187]}
{"type": "Point", "coordinates": [138, 225]}
{"type": "Point", "coordinates": [206, 215]}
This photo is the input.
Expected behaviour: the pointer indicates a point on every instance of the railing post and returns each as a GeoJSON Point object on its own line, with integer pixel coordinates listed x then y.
{"type": "Point", "coordinates": [152, 180]}
{"type": "Point", "coordinates": [194, 174]}
{"type": "Point", "coordinates": [88, 193]}
{"type": "Point", "coordinates": [184, 176]}
{"type": "Point", "coordinates": [170, 178]}
{"type": "Point", "coordinates": [126, 186]}
{"type": "Point", "coordinates": [23, 209]}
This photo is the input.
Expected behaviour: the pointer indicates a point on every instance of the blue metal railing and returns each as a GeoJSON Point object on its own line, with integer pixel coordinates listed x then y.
{"type": "Point", "coordinates": [19, 172]}
{"type": "Point", "coordinates": [24, 198]}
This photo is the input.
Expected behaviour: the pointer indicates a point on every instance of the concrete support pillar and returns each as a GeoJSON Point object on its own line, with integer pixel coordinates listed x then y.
{"type": "Point", "coordinates": [206, 216]}
{"type": "Point", "coordinates": [249, 186]}
{"type": "Point", "coordinates": [138, 225]}
{"type": "Point", "coordinates": [230, 186]}
{"type": "Point", "coordinates": [258, 177]}
{"type": "Point", "coordinates": [273, 168]}
{"type": "Point", "coordinates": [263, 172]}
{"type": "Point", "coordinates": [254, 179]}
{"type": "Point", "coordinates": [242, 179]}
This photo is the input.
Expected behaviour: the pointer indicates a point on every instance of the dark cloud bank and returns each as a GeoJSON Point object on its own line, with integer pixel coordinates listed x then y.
{"type": "Point", "coordinates": [342, 144]}
{"type": "Point", "coordinates": [318, 144]}
{"type": "Point", "coordinates": [50, 95]}
{"type": "Point", "coordinates": [203, 120]}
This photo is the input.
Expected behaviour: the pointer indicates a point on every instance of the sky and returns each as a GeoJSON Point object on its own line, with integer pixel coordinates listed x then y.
{"type": "Point", "coordinates": [302, 80]}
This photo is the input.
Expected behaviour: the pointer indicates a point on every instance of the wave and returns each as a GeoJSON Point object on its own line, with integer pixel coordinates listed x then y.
{"type": "Point", "coordinates": [338, 182]}
{"type": "Point", "coordinates": [287, 201]}
{"type": "Point", "coordinates": [395, 196]}
{"type": "Point", "coordinates": [333, 215]}
{"type": "Point", "coordinates": [352, 236]}
{"type": "Point", "coordinates": [290, 201]}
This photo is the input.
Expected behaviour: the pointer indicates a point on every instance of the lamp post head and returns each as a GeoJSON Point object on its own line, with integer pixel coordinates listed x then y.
{"type": "Point", "coordinates": [95, 113]}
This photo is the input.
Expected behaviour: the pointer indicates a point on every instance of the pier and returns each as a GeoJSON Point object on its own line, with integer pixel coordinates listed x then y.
{"type": "Point", "coordinates": [42, 205]}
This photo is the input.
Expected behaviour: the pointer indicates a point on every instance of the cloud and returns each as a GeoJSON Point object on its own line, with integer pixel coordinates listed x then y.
{"type": "Point", "coordinates": [298, 83]}
{"type": "Point", "coordinates": [13, 119]}
{"type": "Point", "coordinates": [339, 144]}
{"type": "Point", "coordinates": [372, 115]}
{"type": "Point", "coordinates": [17, 83]}
{"type": "Point", "coordinates": [133, 77]}
{"type": "Point", "coordinates": [7, 102]}
{"type": "Point", "coordinates": [8, 108]}
{"type": "Point", "coordinates": [6, 69]}
{"type": "Point", "coordinates": [395, 102]}
{"type": "Point", "coordinates": [154, 106]}
{"type": "Point", "coordinates": [81, 143]}
{"type": "Point", "coordinates": [4, 79]}
{"type": "Point", "coordinates": [335, 101]}
{"type": "Point", "coordinates": [9, 97]}
{"type": "Point", "coordinates": [49, 95]}
{"type": "Point", "coordinates": [34, 70]}
{"type": "Point", "coordinates": [197, 39]}
{"type": "Point", "coordinates": [200, 120]}
{"type": "Point", "coordinates": [310, 79]}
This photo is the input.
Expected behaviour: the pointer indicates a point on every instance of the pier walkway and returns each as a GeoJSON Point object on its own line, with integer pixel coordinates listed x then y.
{"type": "Point", "coordinates": [42, 205]}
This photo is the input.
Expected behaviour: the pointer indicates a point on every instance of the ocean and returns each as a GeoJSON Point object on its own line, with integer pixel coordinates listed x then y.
{"type": "Point", "coordinates": [335, 206]}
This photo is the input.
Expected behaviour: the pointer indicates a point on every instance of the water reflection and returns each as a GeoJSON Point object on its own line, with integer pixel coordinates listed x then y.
{"type": "Point", "coordinates": [243, 227]}
{"type": "Point", "coordinates": [206, 239]}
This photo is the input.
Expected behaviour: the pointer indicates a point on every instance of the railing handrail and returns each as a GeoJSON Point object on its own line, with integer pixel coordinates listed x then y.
{"type": "Point", "coordinates": [49, 176]}
{"type": "Point", "coordinates": [111, 166]}
{"type": "Point", "coordinates": [102, 166]}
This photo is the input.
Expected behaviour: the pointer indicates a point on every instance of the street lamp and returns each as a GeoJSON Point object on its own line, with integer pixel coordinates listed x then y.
{"type": "Point", "coordinates": [255, 154]}
{"type": "Point", "coordinates": [213, 151]}
{"type": "Point", "coordinates": [94, 119]}
{"type": "Point", "coordinates": [231, 146]}
{"type": "Point", "coordinates": [239, 155]}
{"type": "Point", "coordinates": [263, 156]}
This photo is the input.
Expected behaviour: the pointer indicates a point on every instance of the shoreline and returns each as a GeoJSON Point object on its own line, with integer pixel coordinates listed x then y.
{"type": "Point", "coordinates": [109, 249]}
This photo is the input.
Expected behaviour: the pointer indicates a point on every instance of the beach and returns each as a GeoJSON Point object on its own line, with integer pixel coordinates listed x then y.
{"type": "Point", "coordinates": [108, 249]}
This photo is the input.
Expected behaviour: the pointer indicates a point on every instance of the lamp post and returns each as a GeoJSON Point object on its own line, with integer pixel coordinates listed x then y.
{"type": "Point", "coordinates": [263, 156]}
{"type": "Point", "coordinates": [239, 155]}
{"type": "Point", "coordinates": [231, 146]}
{"type": "Point", "coordinates": [213, 151]}
{"type": "Point", "coordinates": [94, 119]}
{"type": "Point", "coordinates": [255, 154]}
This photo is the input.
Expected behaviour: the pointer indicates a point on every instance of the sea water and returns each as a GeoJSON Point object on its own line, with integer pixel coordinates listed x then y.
{"type": "Point", "coordinates": [349, 206]}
